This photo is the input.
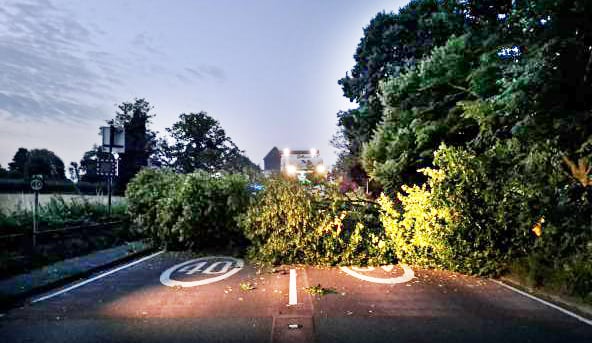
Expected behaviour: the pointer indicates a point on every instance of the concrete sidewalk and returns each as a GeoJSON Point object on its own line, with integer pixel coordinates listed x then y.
{"type": "Point", "coordinates": [16, 288]}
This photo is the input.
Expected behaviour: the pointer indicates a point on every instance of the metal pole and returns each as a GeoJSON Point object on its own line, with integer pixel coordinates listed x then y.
{"type": "Point", "coordinates": [111, 139]}
{"type": "Point", "coordinates": [35, 210]}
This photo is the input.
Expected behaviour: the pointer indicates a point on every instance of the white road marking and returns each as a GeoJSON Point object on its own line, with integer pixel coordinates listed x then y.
{"type": "Point", "coordinates": [196, 266]}
{"type": "Point", "coordinates": [80, 284]}
{"type": "Point", "coordinates": [293, 300]}
{"type": "Point", "coordinates": [408, 274]}
{"type": "Point", "coordinates": [558, 308]}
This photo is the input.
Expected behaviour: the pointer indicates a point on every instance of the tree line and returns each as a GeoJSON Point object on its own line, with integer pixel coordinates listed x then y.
{"type": "Point", "coordinates": [467, 73]}
{"type": "Point", "coordinates": [197, 142]}
{"type": "Point", "coordinates": [475, 116]}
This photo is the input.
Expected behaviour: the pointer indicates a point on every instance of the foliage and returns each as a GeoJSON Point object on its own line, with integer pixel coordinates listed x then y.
{"type": "Point", "coordinates": [3, 172]}
{"type": "Point", "coordinates": [391, 43]}
{"type": "Point", "coordinates": [422, 109]}
{"type": "Point", "coordinates": [320, 291]}
{"type": "Point", "coordinates": [194, 210]}
{"type": "Point", "coordinates": [17, 166]}
{"type": "Point", "coordinates": [202, 144]}
{"type": "Point", "coordinates": [509, 96]}
{"type": "Point", "coordinates": [144, 193]}
{"type": "Point", "coordinates": [291, 222]}
{"type": "Point", "coordinates": [59, 212]}
{"type": "Point", "coordinates": [418, 230]}
{"type": "Point", "coordinates": [26, 163]}
{"type": "Point", "coordinates": [134, 117]}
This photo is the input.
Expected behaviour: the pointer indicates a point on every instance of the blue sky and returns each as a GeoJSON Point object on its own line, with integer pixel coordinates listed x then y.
{"type": "Point", "coordinates": [267, 70]}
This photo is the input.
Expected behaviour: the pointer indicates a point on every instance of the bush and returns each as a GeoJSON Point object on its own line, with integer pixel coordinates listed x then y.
{"type": "Point", "coordinates": [195, 210]}
{"type": "Point", "coordinates": [291, 222]}
{"type": "Point", "coordinates": [419, 231]}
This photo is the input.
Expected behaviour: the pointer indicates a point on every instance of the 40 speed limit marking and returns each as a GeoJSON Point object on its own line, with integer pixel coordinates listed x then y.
{"type": "Point", "coordinates": [201, 271]}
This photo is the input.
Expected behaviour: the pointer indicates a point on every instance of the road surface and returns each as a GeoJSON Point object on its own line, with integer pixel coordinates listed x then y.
{"type": "Point", "coordinates": [174, 297]}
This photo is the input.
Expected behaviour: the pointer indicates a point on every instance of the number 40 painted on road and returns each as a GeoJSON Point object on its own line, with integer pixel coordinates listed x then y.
{"type": "Point", "coordinates": [222, 266]}
{"type": "Point", "coordinates": [211, 269]}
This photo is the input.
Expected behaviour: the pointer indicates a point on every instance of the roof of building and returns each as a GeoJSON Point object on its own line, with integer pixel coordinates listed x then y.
{"type": "Point", "coordinates": [273, 152]}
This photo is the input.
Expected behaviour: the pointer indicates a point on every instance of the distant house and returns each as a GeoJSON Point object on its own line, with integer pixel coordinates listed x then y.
{"type": "Point", "coordinates": [294, 162]}
{"type": "Point", "coordinates": [272, 162]}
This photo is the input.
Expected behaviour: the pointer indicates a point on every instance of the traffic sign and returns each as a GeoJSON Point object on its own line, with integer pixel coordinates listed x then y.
{"type": "Point", "coordinates": [113, 138]}
{"type": "Point", "coordinates": [106, 167]}
{"type": "Point", "coordinates": [37, 182]}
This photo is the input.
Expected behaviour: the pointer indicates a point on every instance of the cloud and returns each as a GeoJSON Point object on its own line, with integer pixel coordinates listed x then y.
{"type": "Point", "coordinates": [49, 67]}
{"type": "Point", "coordinates": [145, 42]}
{"type": "Point", "coordinates": [213, 71]}
{"type": "Point", "coordinates": [195, 73]}
{"type": "Point", "coordinates": [206, 71]}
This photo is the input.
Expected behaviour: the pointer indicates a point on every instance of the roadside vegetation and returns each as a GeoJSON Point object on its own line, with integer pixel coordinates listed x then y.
{"type": "Point", "coordinates": [60, 212]}
{"type": "Point", "coordinates": [68, 227]}
{"type": "Point", "coordinates": [481, 111]}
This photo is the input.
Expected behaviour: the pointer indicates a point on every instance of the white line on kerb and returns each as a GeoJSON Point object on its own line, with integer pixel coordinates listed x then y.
{"type": "Point", "coordinates": [293, 293]}
{"type": "Point", "coordinates": [558, 308]}
{"type": "Point", "coordinates": [80, 284]}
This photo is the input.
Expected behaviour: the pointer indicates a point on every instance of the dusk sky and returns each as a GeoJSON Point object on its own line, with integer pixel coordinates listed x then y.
{"type": "Point", "coordinates": [266, 70]}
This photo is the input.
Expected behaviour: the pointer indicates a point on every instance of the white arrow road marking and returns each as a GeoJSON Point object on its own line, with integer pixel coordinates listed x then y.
{"type": "Point", "coordinates": [407, 275]}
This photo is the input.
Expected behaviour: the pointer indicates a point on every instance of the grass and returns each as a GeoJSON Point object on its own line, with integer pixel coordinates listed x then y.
{"type": "Point", "coordinates": [58, 211]}
{"type": "Point", "coordinates": [13, 201]}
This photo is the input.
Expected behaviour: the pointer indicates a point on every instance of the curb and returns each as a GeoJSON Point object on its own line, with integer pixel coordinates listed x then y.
{"type": "Point", "coordinates": [10, 302]}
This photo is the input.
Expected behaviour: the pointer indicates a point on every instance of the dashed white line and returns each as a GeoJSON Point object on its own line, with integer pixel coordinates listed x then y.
{"type": "Point", "coordinates": [293, 299]}
{"type": "Point", "coordinates": [80, 284]}
{"type": "Point", "coordinates": [544, 302]}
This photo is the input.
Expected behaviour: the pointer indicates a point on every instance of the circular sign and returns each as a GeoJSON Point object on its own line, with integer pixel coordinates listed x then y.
{"type": "Point", "coordinates": [201, 271]}
{"type": "Point", "coordinates": [356, 272]}
{"type": "Point", "coordinates": [36, 184]}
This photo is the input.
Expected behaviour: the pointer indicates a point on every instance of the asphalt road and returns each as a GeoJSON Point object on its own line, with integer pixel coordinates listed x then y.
{"type": "Point", "coordinates": [170, 298]}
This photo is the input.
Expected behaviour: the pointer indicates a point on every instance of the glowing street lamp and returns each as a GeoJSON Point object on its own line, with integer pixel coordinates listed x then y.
{"type": "Point", "coordinates": [291, 169]}
{"type": "Point", "coordinates": [320, 169]}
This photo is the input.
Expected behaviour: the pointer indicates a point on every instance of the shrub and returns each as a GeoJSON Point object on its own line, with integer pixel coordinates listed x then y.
{"type": "Point", "coordinates": [195, 210]}
{"type": "Point", "coordinates": [419, 230]}
{"type": "Point", "coordinates": [144, 193]}
{"type": "Point", "coordinates": [291, 222]}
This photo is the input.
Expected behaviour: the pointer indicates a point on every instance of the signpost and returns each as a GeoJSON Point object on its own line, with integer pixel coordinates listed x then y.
{"type": "Point", "coordinates": [36, 186]}
{"type": "Point", "coordinates": [114, 139]}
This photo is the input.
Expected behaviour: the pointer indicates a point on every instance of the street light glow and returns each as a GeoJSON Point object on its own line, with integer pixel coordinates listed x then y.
{"type": "Point", "coordinates": [313, 151]}
{"type": "Point", "coordinates": [321, 169]}
{"type": "Point", "coordinates": [291, 169]}
{"type": "Point", "coordinates": [286, 151]}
